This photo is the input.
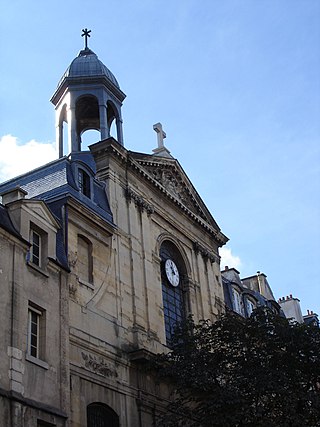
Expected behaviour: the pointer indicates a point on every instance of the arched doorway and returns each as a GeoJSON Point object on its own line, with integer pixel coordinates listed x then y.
{"type": "Point", "coordinates": [101, 415]}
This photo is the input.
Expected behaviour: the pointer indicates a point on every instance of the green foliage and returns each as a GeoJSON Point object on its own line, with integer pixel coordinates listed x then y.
{"type": "Point", "coordinates": [261, 371]}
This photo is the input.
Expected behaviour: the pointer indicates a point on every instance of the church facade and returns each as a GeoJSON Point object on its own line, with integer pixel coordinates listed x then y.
{"type": "Point", "coordinates": [102, 253]}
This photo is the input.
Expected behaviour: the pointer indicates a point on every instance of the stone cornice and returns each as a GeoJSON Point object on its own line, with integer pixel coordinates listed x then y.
{"type": "Point", "coordinates": [139, 201]}
{"type": "Point", "coordinates": [205, 253]}
{"type": "Point", "coordinates": [77, 82]}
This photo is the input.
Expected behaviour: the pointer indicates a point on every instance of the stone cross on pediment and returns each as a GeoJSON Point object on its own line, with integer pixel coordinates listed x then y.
{"type": "Point", "coordinates": [161, 150]}
{"type": "Point", "coordinates": [161, 135]}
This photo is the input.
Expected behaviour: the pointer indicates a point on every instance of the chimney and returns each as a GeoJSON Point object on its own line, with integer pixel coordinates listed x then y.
{"type": "Point", "coordinates": [12, 195]}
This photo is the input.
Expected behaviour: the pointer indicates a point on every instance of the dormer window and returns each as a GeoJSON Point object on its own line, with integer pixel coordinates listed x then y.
{"type": "Point", "coordinates": [84, 183]}
{"type": "Point", "coordinates": [250, 307]}
{"type": "Point", "coordinates": [236, 301]}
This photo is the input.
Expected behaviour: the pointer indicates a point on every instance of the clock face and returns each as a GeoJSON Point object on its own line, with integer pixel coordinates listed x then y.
{"type": "Point", "coordinates": [172, 272]}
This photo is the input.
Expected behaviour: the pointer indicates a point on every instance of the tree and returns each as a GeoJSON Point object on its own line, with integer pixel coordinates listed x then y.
{"type": "Point", "coordinates": [260, 371]}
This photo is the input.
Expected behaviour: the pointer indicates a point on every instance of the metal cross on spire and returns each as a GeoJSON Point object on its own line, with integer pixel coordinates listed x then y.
{"type": "Point", "coordinates": [86, 34]}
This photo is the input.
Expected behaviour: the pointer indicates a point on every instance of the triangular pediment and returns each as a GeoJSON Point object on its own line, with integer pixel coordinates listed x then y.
{"type": "Point", "coordinates": [39, 209]}
{"type": "Point", "coordinates": [168, 173]}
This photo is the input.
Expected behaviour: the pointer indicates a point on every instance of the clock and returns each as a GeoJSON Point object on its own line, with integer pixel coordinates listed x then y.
{"type": "Point", "coordinates": [172, 272]}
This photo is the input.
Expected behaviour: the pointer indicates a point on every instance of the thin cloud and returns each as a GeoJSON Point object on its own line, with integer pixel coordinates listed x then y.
{"type": "Point", "coordinates": [17, 158]}
{"type": "Point", "coordinates": [228, 259]}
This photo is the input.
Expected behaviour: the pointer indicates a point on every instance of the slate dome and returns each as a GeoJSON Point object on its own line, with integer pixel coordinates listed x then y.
{"type": "Point", "coordinates": [87, 64]}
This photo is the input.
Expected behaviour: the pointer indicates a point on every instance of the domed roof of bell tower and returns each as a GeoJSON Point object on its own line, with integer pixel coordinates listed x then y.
{"type": "Point", "coordinates": [87, 64]}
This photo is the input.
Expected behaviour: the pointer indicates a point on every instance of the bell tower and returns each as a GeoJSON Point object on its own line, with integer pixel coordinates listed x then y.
{"type": "Point", "coordinates": [88, 96]}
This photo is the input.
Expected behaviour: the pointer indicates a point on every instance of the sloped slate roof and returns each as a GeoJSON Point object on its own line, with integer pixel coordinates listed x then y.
{"type": "Point", "coordinates": [58, 179]}
{"type": "Point", "coordinates": [6, 223]}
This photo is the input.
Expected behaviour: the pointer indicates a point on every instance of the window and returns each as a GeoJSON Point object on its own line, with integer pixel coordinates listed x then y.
{"type": "Point", "coordinates": [250, 307]}
{"type": "Point", "coordinates": [84, 182]}
{"type": "Point", "coordinates": [38, 247]}
{"type": "Point", "coordinates": [236, 301]}
{"type": "Point", "coordinates": [173, 295]}
{"type": "Point", "coordinates": [35, 248]}
{"type": "Point", "coordinates": [36, 332]}
{"type": "Point", "coordinates": [100, 415]}
{"type": "Point", "coordinates": [173, 309]}
{"type": "Point", "coordinates": [85, 261]}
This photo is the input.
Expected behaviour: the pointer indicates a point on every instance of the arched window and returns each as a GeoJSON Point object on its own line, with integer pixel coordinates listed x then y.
{"type": "Point", "coordinates": [85, 262]}
{"type": "Point", "coordinates": [111, 118]}
{"type": "Point", "coordinates": [172, 274]}
{"type": "Point", "coordinates": [101, 415]}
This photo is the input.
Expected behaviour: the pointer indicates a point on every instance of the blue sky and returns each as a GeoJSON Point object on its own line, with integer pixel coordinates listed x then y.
{"type": "Point", "coordinates": [236, 85]}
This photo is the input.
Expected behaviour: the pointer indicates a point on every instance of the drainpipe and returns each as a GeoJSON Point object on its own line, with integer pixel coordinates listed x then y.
{"type": "Point", "coordinates": [12, 323]}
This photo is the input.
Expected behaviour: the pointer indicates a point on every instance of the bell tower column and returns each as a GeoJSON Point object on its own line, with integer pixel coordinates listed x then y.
{"type": "Point", "coordinates": [59, 138]}
{"type": "Point", "coordinates": [73, 139]}
{"type": "Point", "coordinates": [119, 130]}
{"type": "Point", "coordinates": [104, 130]}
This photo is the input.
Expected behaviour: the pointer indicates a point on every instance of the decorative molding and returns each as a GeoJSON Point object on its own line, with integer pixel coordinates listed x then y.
{"type": "Point", "coordinates": [206, 255]}
{"type": "Point", "coordinates": [187, 201]}
{"type": "Point", "coordinates": [139, 201]}
{"type": "Point", "coordinates": [98, 366]}
{"type": "Point", "coordinates": [172, 181]}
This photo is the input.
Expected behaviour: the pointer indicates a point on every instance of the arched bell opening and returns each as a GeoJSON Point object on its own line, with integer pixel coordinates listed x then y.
{"type": "Point", "coordinates": [62, 137]}
{"type": "Point", "coordinates": [87, 117]}
{"type": "Point", "coordinates": [112, 117]}
{"type": "Point", "coordinates": [88, 137]}
{"type": "Point", "coordinates": [114, 122]}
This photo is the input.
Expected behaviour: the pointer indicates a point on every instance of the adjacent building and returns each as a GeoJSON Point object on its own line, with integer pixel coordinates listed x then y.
{"type": "Point", "coordinates": [292, 310]}
{"type": "Point", "coordinates": [245, 295]}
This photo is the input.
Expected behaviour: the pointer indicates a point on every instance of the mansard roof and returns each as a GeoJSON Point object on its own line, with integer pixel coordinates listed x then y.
{"type": "Point", "coordinates": [229, 283]}
{"type": "Point", "coordinates": [58, 179]}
